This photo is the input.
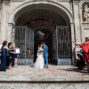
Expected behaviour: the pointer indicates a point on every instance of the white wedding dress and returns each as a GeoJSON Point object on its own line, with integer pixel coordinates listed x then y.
{"type": "Point", "coordinates": [40, 60]}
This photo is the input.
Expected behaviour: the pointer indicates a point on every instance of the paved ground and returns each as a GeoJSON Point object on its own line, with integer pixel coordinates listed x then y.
{"type": "Point", "coordinates": [53, 73]}
{"type": "Point", "coordinates": [44, 86]}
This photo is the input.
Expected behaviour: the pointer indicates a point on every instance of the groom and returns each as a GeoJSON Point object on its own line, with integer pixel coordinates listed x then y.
{"type": "Point", "coordinates": [45, 55]}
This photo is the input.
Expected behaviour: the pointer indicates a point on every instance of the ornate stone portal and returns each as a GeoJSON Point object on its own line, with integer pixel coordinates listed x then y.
{"type": "Point", "coordinates": [70, 10]}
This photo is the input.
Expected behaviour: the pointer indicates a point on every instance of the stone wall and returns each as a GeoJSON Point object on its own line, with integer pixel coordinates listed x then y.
{"type": "Point", "coordinates": [8, 8]}
{"type": "Point", "coordinates": [79, 24]}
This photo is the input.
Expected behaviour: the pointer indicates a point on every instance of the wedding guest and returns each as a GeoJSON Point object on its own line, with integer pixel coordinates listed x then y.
{"type": "Point", "coordinates": [85, 47]}
{"type": "Point", "coordinates": [15, 58]}
{"type": "Point", "coordinates": [7, 59]}
{"type": "Point", "coordinates": [3, 55]}
{"type": "Point", "coordinates": [11, 54]}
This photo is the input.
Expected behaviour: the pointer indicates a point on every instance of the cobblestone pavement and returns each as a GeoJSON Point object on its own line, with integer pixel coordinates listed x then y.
{"type": "Point", "coordinates": [44, 86]}
{"type": "Point", "coordinates": [53, 73]}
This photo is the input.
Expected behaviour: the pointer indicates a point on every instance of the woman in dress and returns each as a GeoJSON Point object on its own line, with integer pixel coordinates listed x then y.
{"type": "Point", "coordinates": [15, 60]}
{"type": "Point", "coordinates": [11, 55]}
{"type": "Point", "coordinates": [40, 60]}
{"type": "Point", "coordinates": [4, 56]}
{"type": "Point", "coordinates": [15, 57]}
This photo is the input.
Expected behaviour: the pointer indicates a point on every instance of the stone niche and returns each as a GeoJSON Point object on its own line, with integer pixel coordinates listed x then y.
{"type": "Point", "coordinates": [85, 12]}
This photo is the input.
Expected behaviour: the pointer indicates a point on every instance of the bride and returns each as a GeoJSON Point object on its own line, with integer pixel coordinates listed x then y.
{"type": "Point", "coordinates": [40, 60]}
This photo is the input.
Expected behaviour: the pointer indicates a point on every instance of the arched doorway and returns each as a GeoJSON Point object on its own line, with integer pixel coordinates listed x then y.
{"type": "Point", "coordinates": [41, 24]}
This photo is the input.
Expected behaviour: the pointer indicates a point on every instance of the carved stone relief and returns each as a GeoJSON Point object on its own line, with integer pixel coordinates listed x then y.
{"type": "Point", "coordinates": [86, 12]}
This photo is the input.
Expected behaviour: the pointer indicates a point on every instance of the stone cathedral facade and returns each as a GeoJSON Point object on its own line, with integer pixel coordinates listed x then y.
{"type": "Point", "coordinates": [62, 21]}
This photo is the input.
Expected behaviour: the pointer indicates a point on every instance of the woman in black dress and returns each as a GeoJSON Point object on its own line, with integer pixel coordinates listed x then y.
{"type": "Point", "coordinates": [4, 56]}
{"type": "Point", "coordinates": [11, 54]}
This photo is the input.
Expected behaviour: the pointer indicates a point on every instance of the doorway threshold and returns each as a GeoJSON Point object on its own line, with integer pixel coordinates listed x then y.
{"type": "Point", "coordinates": [64, 61]}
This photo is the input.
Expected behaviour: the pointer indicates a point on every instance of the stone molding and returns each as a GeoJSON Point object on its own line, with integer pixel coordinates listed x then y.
{"type": "Point", "coordinates": [50, 2]}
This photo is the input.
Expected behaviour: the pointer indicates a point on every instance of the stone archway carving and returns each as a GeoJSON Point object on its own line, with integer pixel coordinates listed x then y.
{"type": "Point", "coordinates": [55, 4]}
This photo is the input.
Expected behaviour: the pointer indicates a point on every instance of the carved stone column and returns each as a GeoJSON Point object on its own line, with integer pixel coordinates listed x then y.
{"type": "Point", "coordinates": [85, 20]}
{"type": "Point", "coordinates": [4, 26]}
{"type": "Point", "coordinates": [10, 33]}
{"type": "Point", "coordinates": [77, 22]}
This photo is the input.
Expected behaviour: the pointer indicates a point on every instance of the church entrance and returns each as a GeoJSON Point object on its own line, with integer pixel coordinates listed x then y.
{"type": "Point", "coordinates": [28, 40]}
{"type": "Point", "coordinates": [42, 25]}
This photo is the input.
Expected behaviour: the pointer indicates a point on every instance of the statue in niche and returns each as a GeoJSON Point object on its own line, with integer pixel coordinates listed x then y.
{"type": "Point", "coordinates": [86, 13]}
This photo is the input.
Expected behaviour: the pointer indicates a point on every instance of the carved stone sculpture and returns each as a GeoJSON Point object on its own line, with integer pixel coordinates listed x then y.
{"type": "Point", "coordinates": [86, 13]}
